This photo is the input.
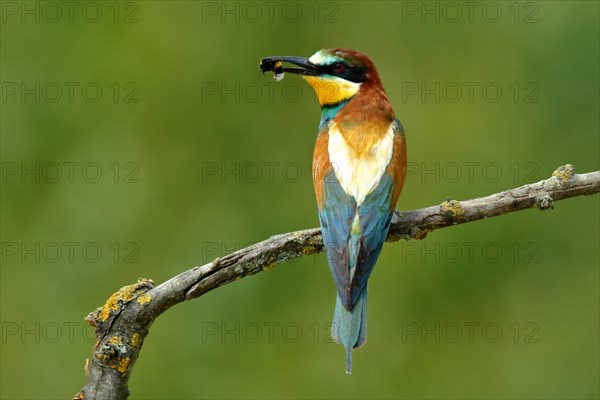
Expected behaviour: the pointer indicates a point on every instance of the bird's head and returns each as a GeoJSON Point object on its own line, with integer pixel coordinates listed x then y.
{"type": "Point", "coordinates": [336, 75]}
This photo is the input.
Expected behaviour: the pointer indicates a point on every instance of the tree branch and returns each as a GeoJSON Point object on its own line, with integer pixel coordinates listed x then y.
{"type": "Point", "coordinates": [123, 322]}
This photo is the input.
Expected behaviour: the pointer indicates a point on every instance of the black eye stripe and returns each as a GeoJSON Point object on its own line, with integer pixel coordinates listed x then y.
{"type": "Point", "coordinates": [351, 73]}
{"type": "Point", "coordinates": [339, 67]}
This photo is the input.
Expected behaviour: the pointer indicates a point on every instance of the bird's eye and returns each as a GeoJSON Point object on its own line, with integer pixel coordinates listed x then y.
{"type": "Point", "coordinates": [339, 67]}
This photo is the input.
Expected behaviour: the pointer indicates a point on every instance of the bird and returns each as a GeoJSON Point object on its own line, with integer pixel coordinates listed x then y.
{"type": "Point", "coordinates": [358, 171]}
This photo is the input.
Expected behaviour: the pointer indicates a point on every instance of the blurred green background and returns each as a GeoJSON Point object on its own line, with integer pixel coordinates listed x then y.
{"type": "Point", "coordinates": [139, 140]}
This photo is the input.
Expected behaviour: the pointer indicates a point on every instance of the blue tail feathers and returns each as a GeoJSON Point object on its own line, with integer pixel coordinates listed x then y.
{"type": "Point", "coordinates": [350, 326]}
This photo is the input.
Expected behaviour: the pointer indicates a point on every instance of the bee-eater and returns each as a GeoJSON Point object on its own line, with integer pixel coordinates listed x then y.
{"type": "Point", "coordinates": [359, 167]}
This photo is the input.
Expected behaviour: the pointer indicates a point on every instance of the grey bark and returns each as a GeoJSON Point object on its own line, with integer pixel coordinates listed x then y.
{"type": "Point", "coordinates": [123, 322]}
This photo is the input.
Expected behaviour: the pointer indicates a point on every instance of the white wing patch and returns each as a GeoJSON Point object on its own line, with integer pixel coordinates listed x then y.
{"type": "Point", "coordinates": [359, 176]}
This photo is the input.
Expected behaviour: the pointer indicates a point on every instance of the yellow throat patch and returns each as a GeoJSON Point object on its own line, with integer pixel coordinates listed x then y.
{"type": "Point", "coordinates": [331, 89]}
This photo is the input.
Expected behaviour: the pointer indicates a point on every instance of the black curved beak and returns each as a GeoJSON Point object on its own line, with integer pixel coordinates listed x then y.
{"type": "Point", "coordinates": [274, 64]}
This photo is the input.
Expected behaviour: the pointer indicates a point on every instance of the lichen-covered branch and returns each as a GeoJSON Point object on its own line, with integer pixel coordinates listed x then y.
{"type": "Point", "coordinates": [123, 322]}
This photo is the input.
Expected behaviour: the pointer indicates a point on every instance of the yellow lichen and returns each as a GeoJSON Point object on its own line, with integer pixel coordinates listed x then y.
{"type": "Point", "coordinates": [564, 172]}
{"type": "Point", "coordinates": [453, 208]}
{"type": "Point", "coordinates": [422, 234]}
{"type": "Point", "coordinates": [270, 263]}
{"type": "Point", "coordinates": [112, 304]}
{"type": "Point", "coordinates": [115, 340]}
{"type": "Point", "coordinates": [310, 248]}
{"type": "Point", "coordinates": [127, 293]}
{"type": "Point", "coordinates": [144, 299]}
{"type": "Point", "coordinates": [124, 295]}
{"type": "Point", "coordinates": [123, 364]}
{"type": "Point", "coordinates": [135, 339]}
